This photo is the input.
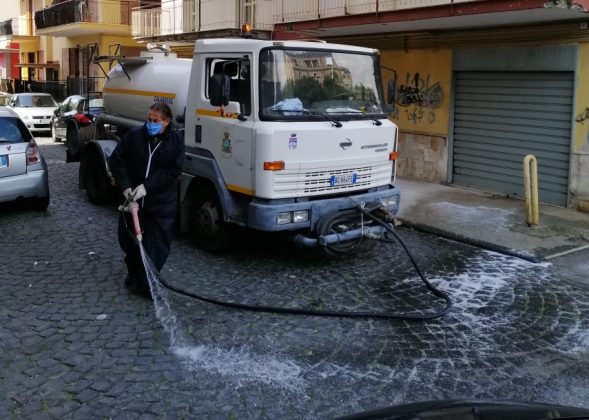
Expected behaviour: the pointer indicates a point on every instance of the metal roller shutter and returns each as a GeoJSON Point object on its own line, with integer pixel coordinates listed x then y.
{"type": "Point", "coordinates": [500, 117]}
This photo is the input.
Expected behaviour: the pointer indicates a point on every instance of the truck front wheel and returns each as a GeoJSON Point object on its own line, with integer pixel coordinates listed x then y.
{"type": "Point", "coordinates": [209, 230]}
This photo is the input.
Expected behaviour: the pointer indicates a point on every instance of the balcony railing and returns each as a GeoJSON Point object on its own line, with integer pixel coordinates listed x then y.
{"type": "Point", "coordinates": [192, 16]}
{"type": "Point", "coordinates": [108, 12]}
{"type": "Point", "coordinates": [146, 23]}
{"type": "Point", "coordinates": [16, 27]}
{"type": "Point", "coordinates": [293, 11]}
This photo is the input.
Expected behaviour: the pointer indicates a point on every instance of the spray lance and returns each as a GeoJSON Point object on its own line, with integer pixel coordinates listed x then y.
{"type": "Point", "coordinates": [132, 207]}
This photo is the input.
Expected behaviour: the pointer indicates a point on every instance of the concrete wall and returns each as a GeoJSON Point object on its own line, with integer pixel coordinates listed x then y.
{"type": "Point", "coordinates": [423, 157]}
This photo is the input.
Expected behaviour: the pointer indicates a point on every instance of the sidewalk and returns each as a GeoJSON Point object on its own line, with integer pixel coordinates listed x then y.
{"type": "Point", "coordinates": [491, 221]}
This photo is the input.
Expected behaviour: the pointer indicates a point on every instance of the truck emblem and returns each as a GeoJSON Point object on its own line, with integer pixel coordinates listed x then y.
{"type": "Point", "coordinates": [226, 145]}
{"type": "Point", "coordinates": [345, 144]}
{"type": "Point", "coordinates": [292, 141]}
{"type": "Point", "coordinates": [8, 147]}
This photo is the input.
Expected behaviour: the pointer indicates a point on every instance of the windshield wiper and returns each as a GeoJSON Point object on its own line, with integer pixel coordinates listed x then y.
{"type": "Point", "coordinates": [334, 121]}
{"type": "Point", "coordinates": [351, 111]}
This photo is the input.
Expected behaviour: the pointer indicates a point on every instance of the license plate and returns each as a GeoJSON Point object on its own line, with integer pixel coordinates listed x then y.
{"type": "Point", "coordinates": [349, 179]}
{"type": "Point", "coordinates": [3, 161]}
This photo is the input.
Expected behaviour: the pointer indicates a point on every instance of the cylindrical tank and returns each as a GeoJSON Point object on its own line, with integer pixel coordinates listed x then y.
{"type": "Point", "coordinates": [163, 78]}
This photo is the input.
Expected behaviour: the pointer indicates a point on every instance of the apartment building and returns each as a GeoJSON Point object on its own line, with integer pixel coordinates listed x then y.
{"type": "Point", "coordinates": [49, 43]}
{"type": "Point", "coordinates": [179, 23]}
{"type": "Point", "coordinates": [21, 55]}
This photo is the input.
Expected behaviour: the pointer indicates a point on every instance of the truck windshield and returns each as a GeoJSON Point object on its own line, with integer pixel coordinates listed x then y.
{"type": "Point", "coordinates": [315, 84]}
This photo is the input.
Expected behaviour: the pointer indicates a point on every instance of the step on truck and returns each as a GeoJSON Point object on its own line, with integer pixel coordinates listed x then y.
{"type": "Point", "coordinates": [281, 136]}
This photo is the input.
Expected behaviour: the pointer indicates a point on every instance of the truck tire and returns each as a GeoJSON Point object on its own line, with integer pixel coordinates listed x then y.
{"type": "Point", "coordinates": [209, 230]}
{"type": "Point", "coordinates": [96, 182]}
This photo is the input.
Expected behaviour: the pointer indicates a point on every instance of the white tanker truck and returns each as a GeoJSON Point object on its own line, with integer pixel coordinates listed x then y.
{"type": "Point", "coordinates": [281, 136]}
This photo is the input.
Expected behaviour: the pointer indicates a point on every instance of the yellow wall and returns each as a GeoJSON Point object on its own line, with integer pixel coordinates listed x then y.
{"type": "Point", "coordinates": [59, 43]}
{"type": "Point", "coordinates": [422, 89]}
{"type": "Point", "coordinates": [582, 102]}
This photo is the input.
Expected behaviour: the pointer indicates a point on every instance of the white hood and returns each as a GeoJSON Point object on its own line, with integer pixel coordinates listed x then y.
{"type": "Point", "coordinates": [30, 112]}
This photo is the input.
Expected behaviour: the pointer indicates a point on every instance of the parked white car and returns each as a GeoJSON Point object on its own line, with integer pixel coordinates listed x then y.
{"type": "Point", "coordinates": [35, 109]}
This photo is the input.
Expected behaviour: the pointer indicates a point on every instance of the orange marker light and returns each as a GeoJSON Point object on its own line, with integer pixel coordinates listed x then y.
{"type": "Point", "coordinates": [393, 155]}
{"type": "Point", "coordinates": [246, 28]}
{"type": "Point", "coordinates": [274, 166]}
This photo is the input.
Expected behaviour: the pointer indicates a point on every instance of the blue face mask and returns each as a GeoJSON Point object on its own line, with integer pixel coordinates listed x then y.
{"type": "Point", "coordinates": [153, 128]}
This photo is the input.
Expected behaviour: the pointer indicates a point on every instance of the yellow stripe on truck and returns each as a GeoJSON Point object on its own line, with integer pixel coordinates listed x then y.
{"type": "Point", "coordinates": [242, 190]}
{"type": "Point", "coordinates": [215, 113]}
{"type": "Point", "coordinates": [140, 93]}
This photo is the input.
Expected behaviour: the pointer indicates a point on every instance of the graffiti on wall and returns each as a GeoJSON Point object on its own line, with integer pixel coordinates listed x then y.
{"type": "Point", "coordinates": [415, 99]}
{"type": "Point", "coordinates": [583, 116]}
{"type": "Point", "coordinates": [580, 119]}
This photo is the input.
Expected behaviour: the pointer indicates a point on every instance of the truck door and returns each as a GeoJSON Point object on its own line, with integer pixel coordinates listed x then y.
{"type": "Point", "coordinates": [222, 132]}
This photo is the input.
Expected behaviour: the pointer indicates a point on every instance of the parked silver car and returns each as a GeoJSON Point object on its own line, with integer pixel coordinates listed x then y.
{"type": "Point", "coordinates": [23, 172]}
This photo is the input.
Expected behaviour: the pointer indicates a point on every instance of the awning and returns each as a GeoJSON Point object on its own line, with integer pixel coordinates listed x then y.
{"type": "Point", "coordinates": [38, 65]}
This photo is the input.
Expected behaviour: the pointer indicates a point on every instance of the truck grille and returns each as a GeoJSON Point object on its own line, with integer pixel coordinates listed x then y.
{"type": "Point", "coordinates": [292, 184]}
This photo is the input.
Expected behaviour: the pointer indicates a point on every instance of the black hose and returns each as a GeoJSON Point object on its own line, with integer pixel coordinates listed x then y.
{"type": "Point", "coordinates": [332, 313]}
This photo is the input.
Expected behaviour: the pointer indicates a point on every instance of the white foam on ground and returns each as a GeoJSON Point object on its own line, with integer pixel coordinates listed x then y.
{"type": "Point", "coordinates": [241, 364]}
{"type": "Point", "coordinates": [485, 216]}
{"type": "Point", "coordinates": [477, 287]}
{"type": "Point", "coordinates": [244, 365]}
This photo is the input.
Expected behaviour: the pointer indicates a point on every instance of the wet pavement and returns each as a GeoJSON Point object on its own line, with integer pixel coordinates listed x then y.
{"type": "Point", "coordinates": [77, 344]}
{"type": "Point", "coordinates": [492, 221]}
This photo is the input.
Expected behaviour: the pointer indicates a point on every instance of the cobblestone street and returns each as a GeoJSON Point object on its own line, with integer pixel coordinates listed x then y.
{"type": "Point", "coordinates": [77, 344]}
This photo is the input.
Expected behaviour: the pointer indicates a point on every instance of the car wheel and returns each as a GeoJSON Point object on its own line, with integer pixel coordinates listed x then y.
{"type": "Point", "coordinates": [96, 182]}
{"type": "Point", "coordinates": [41, 203]}
{"type": "Point", "coordinates": [209, 230]}
{"type": "Point", "coordinates": [54, 135]}
{"type": "Point", "coordinates": [72, 140]}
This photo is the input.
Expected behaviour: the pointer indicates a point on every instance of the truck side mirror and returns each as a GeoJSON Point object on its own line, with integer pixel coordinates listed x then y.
{"type": "Point", "coordinates": [219, 89]}
{"type": "Point", "coordinates": [391, 91]}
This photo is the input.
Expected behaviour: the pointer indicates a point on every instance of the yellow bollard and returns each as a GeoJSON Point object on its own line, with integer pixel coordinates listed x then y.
{"type": "Point", "coordinates": [531, 190]}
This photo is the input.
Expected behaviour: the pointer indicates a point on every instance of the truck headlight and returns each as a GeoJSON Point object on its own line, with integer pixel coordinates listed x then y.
{"type": "Point", "coordinates": [392, 201]}
{"type": "Point", "coordinates": [284, 218]}
{"type": "Point", "coordinates": [300, 216]}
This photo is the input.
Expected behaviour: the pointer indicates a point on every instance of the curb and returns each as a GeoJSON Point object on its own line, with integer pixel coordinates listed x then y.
{"type": "Point", "coordinates": [471, 241]}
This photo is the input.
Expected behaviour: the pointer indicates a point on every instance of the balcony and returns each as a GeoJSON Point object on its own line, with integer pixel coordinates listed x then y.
{"type": "Point", "coordinates": [285, 11]}
{"type": "Point", "coordinates": [351, 18]}
{"type": "Point", "coordinates": [190, 19]}
{"type": "Point", "coordinates": [16, 27]}
{"type": "Point", "coordinates": [86, 17]}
